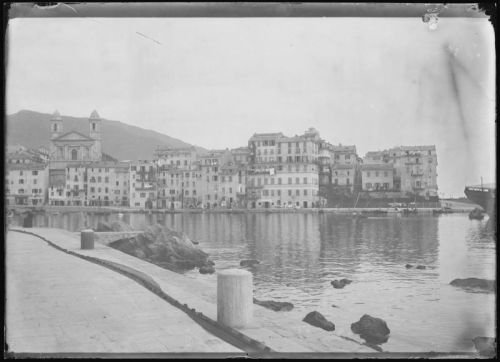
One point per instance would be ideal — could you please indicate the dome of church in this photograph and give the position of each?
(94, 115)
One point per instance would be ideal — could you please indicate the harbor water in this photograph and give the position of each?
(301, 253)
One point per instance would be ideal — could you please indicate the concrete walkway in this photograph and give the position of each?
(60, 303)
(281, 331)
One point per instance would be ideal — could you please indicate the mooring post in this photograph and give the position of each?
(87, 239)
(234, 298)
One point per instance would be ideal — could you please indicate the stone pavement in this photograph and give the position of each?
(281, 331)
(57, 302)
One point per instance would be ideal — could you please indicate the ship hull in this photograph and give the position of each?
(484, 197)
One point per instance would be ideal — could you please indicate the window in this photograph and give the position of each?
(289, 192)
(99, 179)
(93, 126)
(92, 189)
(289, 180)
(368, 174)
(279, 181)
(297, 192)
(74, 154)
(279, 193)
(368, 185)
(99, 189)
(21, 181)
(385, 173)
(34, 173)
(336, 182)
(305, 192)
(142, 194)
(297, 180)
(305, 180)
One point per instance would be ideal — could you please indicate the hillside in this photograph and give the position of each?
(120, 140)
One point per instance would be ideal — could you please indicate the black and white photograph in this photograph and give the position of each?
(250, 180)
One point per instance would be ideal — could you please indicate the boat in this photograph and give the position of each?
(484, 195)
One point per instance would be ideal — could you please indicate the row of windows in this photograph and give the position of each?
(34, 173)
(377, 186)
(290, 192)
(270, 181)
(33, 191)
(368, 174)
(21, 181)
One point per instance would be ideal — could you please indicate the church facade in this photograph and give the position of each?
(73, 146)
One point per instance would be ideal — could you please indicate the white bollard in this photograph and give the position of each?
(234, 297)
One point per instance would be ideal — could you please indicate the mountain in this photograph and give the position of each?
(120, 140)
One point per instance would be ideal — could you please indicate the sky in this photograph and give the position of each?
(214, 82)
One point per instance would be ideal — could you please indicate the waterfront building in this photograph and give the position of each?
(108, 184)
(233, 185)
(377, 177)
(345, 155)
(241, 155)
(415, 169)
(182, 158)
(26, 183)
(143, 184)
(344, 176)
(70, 147)
(209, 165)
(283, 171)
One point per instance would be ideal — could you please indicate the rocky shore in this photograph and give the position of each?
(162, 246)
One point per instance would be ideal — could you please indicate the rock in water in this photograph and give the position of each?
(166, 247)
(372, 330)
(339, 284)
(409, 266)
(486, 346)
(316, 319)
(475, 283)
(249, 262)
(421, 266)
(113, 226)
(207, 269)
(276, 306)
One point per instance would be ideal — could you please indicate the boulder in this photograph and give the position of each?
(207, 269)
(117, 225)
(408, 266)
(475, 283)
(276, 306)
(165, 247)
(372, 330)
(486, 346)
(421, 266)
(318, 320)
(249, 262)
(335, 306)
(339, 284)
